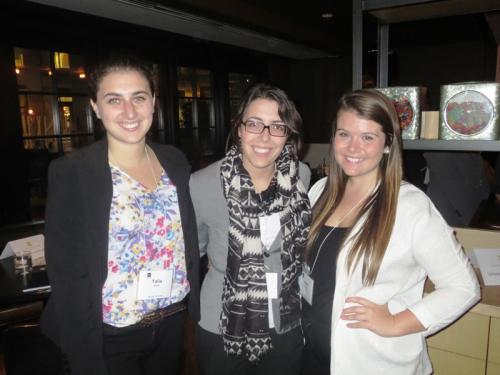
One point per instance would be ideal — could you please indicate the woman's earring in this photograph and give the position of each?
(386, 150)
(96, 110)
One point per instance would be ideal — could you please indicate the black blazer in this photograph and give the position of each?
(76, 248)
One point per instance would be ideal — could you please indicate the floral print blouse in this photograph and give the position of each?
(145, 234)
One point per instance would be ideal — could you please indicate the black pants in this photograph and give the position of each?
(153, 350)
(284, 359)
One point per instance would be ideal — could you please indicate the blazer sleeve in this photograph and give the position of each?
(196, 188)
(178, 169)
(72, 300)
(436, 249)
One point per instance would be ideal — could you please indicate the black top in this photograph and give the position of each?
(317, 318)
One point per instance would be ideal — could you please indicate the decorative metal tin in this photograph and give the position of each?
(470, 111)
(407, 103)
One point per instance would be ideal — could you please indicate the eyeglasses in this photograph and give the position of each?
(276, 129)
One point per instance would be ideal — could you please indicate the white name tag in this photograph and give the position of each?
(154, 284)
(306, 285)
(272, 285)
(269, 228)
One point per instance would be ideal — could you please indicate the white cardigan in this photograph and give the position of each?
(421, 245)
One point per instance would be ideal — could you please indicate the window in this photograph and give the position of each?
(55, 114)
(196, 114)
(61, 60)
(54, 110)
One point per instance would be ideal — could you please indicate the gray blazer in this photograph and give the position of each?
(212, 218)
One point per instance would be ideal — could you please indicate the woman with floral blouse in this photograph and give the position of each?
(121, 240)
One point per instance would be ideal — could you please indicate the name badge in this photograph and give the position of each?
(306, 285)
(154, 284)
(269, 228)
(272, 285)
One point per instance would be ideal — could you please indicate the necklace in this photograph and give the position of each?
(114, 161)
(151, 167)
(311, 269)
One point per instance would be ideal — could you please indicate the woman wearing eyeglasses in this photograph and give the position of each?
(253, 218)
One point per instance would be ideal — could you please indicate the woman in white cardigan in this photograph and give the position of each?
(373, 242)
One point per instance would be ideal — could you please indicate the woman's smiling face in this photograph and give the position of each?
(359, 146)
(260, 151)
(125, 105)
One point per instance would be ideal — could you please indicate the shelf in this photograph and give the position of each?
(395, 11)
(451, 145)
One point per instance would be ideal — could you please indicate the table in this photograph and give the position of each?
(12, 285)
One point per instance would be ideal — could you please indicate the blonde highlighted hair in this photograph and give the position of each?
(378, 212)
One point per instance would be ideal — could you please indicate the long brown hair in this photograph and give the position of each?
(371, 240)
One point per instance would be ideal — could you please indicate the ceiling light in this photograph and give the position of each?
(327, 15)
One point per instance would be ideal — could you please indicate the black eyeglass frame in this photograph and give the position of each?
(268, 127)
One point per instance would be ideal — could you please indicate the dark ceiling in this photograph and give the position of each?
(297, 21)
(252, 23)
(302, 22)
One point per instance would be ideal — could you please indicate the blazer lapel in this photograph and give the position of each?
(99, 187)
(167, 162)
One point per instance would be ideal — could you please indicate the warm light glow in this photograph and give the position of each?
(81, 75)
(18, 71)
(61, 60)
(49, 72)
(67, 115)
(31, 112)
(19, 60)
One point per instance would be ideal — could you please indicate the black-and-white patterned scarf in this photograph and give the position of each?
(244, 318)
